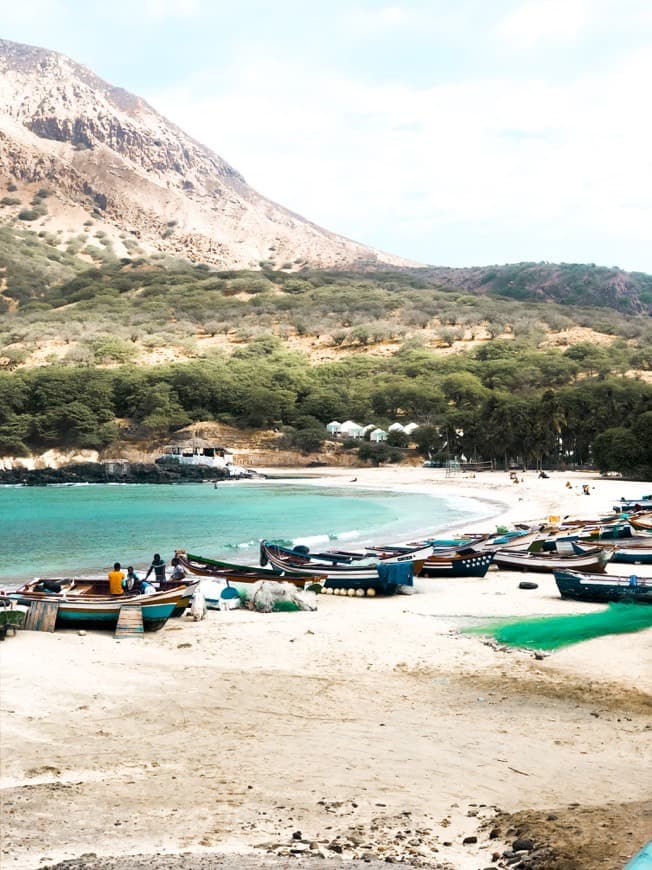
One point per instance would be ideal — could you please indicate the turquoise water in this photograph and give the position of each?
(67, 530)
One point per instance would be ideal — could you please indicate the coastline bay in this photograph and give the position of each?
(64, 530)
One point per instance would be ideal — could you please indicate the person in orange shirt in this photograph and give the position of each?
(116, 578)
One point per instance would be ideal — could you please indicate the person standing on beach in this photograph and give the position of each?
(116, 578)
(158, 567)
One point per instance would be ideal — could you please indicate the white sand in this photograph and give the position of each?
(242, 729)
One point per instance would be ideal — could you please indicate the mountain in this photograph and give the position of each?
(105, 159)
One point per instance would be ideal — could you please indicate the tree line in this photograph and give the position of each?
(504, 402)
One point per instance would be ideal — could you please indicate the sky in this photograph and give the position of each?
(450, 132)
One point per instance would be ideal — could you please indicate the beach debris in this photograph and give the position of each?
(269, 596)
(527, 584)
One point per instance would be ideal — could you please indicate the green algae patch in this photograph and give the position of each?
(553, 632)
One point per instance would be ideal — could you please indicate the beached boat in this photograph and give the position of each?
(582, 559)
(464, 562)
(79, 607)
(232, 572)
(380, 575)
(636, 550)
(642, 520)
(602, 587)
(99, 587)
(634, 504)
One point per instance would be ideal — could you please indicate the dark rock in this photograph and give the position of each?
(468, 840)
(494, 833)
(523, 843)
(297, 835)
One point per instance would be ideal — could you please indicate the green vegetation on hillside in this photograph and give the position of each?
(515, 404)
(508, 397)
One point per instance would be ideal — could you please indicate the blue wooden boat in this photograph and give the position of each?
(78, 607)
(376, 575)
(603, 587)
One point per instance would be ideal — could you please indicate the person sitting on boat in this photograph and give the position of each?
(132, 581)
(158, 567)
(177, 570)
(116, 578)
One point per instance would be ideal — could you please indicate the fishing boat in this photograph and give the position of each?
(603, 588)
(380, 575)
(80, 607)
(231, 572)
(634, 504)
(582, 559)
(464, 562)
(636, 550)
(642, 521)
(99, 587)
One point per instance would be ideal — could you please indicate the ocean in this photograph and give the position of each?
(67, 530)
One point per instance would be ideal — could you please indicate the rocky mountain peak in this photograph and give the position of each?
(108, 155)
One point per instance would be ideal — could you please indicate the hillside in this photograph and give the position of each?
(566, 283)
(103, 156)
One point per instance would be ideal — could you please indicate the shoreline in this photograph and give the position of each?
(373, 728)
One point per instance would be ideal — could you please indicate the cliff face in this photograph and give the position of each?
(112, 157)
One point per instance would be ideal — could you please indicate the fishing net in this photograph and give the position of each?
(269, 596)
(552, 632)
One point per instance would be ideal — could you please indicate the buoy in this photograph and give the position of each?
(328, 590)
(359, 593)
(371, 593)
(350, 592)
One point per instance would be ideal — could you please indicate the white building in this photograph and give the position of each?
(350, 429)
(378, 435)
(334, 428)
(197, 452)
(409, 429)
(396, 427)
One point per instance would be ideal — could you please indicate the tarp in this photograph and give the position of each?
(396, 573)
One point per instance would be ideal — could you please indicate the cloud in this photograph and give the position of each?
(28, 11)
(543, 20)
(171, 8)
(395, 162)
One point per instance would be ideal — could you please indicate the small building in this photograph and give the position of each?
(378, 435)
(350, 429)
(334, 428)
(409, 429)
(396, 427)
(197, 452)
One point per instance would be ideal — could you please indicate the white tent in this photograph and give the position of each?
(396, 427)
(351, 429)
(409, 429)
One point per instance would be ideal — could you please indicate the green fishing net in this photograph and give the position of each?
(552, 632)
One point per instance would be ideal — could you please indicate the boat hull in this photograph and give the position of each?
(510, 560)
(601, 588)
(86, 610)
(474, 564)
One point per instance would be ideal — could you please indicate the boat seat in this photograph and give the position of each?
(80, 589)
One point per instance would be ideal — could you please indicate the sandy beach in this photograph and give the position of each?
(371, 730)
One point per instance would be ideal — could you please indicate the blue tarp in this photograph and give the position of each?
(396, 573)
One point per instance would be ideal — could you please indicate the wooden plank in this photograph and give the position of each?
(42, 616)
(130, 621)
